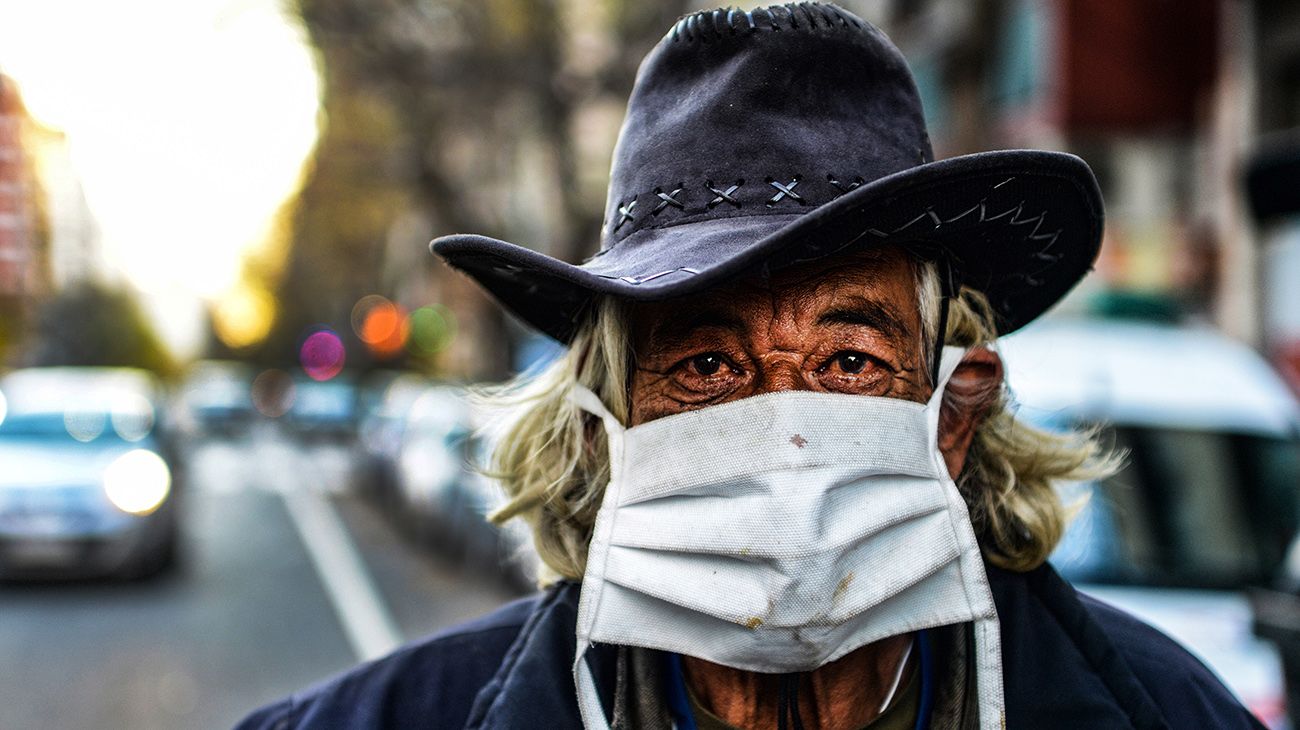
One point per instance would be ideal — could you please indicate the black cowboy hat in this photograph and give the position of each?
(785, 134)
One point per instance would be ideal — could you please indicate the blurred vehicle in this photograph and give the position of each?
(385, 399)
(443, 497)
(88, 485)
(432, 464)
(216, 400)
(1276, 613)
(1206, 502)
(510, 547)
(323, 410)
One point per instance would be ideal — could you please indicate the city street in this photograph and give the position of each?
(792, 335)
(286, 577)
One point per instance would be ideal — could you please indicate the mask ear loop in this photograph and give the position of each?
(589, 704)
(947, 290)
(992, 703)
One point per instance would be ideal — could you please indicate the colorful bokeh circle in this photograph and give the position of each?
(322, 355)
(432, 329)
(273, 393)
(381, 325)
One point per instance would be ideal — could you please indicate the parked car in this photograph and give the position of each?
(88, 484)
(215, 400)
(432, 464)
(385, 401)
(323, 410)
(443, 496)
(508, 547)
(1206, 503)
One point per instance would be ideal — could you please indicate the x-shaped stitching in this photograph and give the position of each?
(625, 213)
(667, 199)
(723, 194)
(784, 191)
(841, 186)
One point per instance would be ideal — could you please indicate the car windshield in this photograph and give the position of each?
(70, 413)
(323, 399)
(84, 426)
(1189, 508)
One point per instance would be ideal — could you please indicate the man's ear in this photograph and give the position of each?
(973, 388)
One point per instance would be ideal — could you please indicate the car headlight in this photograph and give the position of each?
(137, 482)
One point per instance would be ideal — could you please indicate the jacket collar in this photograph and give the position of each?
(536, 677)
(1043, 623)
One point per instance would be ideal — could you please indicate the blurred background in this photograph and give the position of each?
(234, 437)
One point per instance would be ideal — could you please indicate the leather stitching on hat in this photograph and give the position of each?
(1013, 212)
(728, 194)
(723, 195)
(1005, 304)
(843, 187)
(785, 191)
(1012, 216)
(667, 199)
(790, 17)
(705, 25)
(649, 277)
(778, 211)
(625, 213)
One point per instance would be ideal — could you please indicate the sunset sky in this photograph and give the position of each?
(189, 124)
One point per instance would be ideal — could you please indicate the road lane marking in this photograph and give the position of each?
(368, 625)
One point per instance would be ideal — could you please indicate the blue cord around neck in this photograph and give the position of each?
(679, 704)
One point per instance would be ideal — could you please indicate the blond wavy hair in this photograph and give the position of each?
(551, 457)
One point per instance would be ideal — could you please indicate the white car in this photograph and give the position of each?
(1207, 501)
(442, 450)
(87, 485)
(432, 460)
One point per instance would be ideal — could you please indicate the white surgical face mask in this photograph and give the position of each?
(780, 532)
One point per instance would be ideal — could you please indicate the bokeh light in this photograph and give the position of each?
(273, 392)
(322, 355)
(432, 329)
(243, 316)
(382, 325)
(363, 308)
(137, 482)
(85, 426)
(132, 417)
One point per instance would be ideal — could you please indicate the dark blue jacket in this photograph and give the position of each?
(1069, 662)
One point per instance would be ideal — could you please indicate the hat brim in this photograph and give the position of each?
(1022, 226)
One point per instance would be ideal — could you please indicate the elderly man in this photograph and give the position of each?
(775, 480)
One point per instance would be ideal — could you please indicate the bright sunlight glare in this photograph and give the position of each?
(189, 123)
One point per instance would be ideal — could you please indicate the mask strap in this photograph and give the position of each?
(946, 362)
(583, 398)
(593, 715)
(947, 290)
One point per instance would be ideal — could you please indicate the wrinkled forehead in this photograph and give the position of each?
(878, 286)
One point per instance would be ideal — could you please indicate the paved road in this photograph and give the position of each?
(259, 607)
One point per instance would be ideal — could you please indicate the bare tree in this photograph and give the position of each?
(466, 113)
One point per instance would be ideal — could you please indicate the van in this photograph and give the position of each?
(1208, 498)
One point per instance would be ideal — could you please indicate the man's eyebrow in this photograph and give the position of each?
(877, 315)
(682, 323)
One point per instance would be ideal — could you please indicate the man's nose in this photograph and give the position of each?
(781, 372)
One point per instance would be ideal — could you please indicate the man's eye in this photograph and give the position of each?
(851, 362)
(707, 364)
